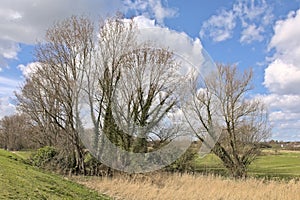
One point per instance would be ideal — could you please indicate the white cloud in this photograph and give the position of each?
(284, 103)
(252, 10)
(28, 69)
(26, 21)
(6, 107)
(251, 33)
(7, 88)
(284, 115)
(189, 51)
(253, 15)
(286, 40)
(161, 12)
(153, 8)
(8, 50)
(219, 27)
(282, 77)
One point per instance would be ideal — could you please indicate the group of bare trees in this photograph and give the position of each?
(90, 77)
(15, 131)
(91, 82)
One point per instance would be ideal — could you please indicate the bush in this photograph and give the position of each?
(43, 156)
(185, 163)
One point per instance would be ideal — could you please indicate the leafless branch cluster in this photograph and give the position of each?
(231, 124)
(96, 82)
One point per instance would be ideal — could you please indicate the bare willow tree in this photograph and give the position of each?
(148, 91)
(115, 38)
(223, 108)
(54, 89)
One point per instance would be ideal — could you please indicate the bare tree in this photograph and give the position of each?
(148, 91)
(115, 38)
(31, 102)
(15, 132)
(223, 108)
(130, 84)
(54, 89)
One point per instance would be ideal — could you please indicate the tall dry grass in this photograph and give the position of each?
(185, 187)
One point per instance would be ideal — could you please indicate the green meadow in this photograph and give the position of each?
(274, 164)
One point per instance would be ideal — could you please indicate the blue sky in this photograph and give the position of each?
(262, 34)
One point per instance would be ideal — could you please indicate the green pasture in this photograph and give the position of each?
(270, 164)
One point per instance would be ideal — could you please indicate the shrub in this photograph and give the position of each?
(43, 156)
(185, 163)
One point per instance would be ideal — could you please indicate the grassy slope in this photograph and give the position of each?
(21, 181)
(269, 164)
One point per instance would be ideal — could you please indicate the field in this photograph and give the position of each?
(270, 164)
(19, 180)
(273, 175)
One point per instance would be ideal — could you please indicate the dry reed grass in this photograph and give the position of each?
(185, 187)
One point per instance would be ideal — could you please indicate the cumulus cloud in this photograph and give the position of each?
(286, 103)
(253, 16)
(161, 12)
(149, 8)
(282, 76)
(28, 69)
(219, 27)
(6, 107)
(26, 21)
(8, 50)
(189, 51)
(7, 102)
(286, 40)
(251, 33)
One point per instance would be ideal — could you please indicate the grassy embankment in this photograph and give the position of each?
(19, 180)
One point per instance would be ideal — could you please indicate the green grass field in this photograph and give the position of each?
(270, 164)
(281, 164)
(19, 180)
(22, 181)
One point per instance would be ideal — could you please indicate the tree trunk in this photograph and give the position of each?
(238, 171)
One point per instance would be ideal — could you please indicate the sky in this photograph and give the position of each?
(261, 34)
